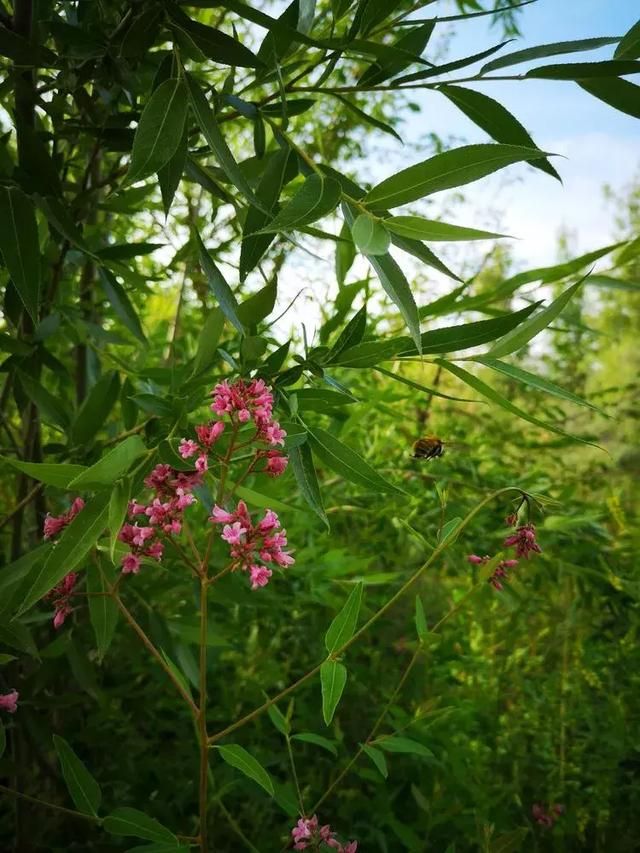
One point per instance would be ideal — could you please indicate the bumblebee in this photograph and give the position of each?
(429, 447)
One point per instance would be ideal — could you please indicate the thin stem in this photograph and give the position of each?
(202, 713)
(23, 503)
(154, 652)
(363, 630)
(20, 796)
(295, 776)
(235, 827)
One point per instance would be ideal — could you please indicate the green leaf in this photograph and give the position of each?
(208, 341)
(74, 545)
(413, 42)
(521, 335)
(449, 529)
(118, 505)
(103, 611)
(428, 229)
(619, 94)
(585, 70)
(344, 624)
(238, 757)
(554, 273)
(121, 304)
(20, 246)
(629, 46)
(321, 399)
(450, 169)
(544, 50)
(306, 477)
(115, 463)
(219, 286)
(258, 499)
(421, 621)
(425, 389)
(280, 168)
(51, 473)
(454, 65)
(128, 821)
(346, 462)
(404, 745)
(316, 740)
(317, 197)
(18, 636)
(491, 394)
(534, 381)
(377, 758)
(365, 117)
(420, 251)
(370, 235)
(351, 335)
(62, 221)
(278, 719)
(170, 175)
(52, 410)
(95, 409)
(259, 305)
(160, 130)
(213, 43)
(212, 133)
(495, 120)
(333, 678)
(85, 791)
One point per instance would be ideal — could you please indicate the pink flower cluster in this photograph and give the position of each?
(308, 834)
(546, 817)
(523, 539)
(61, 596)
(9, 701)
(172, 495)
(249, 543)
(243, 402)
(207, 434)
(54, 524)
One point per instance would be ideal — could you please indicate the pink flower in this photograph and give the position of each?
(60, 615)
(131, 564)
(202, 464)
(158, 477)
(231, 533)
(478, 561)
(304, 829)
(259, 576)
(208, 434)
(55, 524)
(155, 551)
(351, 847)
(220, 516)
(187, 448)
(273, 433)
(246, 401)
(524, 541)
(9, 701)
(183, 500)
(269, 521)
(61, 596)
(141, 535)
(136, 509)
(276, 463)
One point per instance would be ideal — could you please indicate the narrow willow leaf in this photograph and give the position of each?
(453, 168)
(258, 306)
(280, 168)
(305, 473)
(425, 389)
(121, 304)
(85, 791)
(533, 381)
(491, 394)
(448, 530)
(208, 340)
(51, 473)
(62, 221)
(365, 117)
(629, 46)
(619, 94)
(495, 120)
(522, 334)
(421, 621)
(52, 410)
(404, 745)
(20, 246)
(543, 50)
(554, 273)
(160, 130)
(170, 174)
(213, 43)
(333, 678)
(346, 462)
(351, 335)
(13, 576)
(118, 504)
(370, 353)
(112, 465)
(454, 65)
(219, 286)
(238, 757)
(212, 133)
(393, 282)
(128, 821)
(370, 235)
(413, 42)
(344, 624)
(95, 408)
(585, 70)
(75, 543)
(377, 757)
(278, 719)
(317, 197)
(103, 610)
(428, 229)
(18, 636)
(321, 399)
(257, 498)
(423, 253)
(345, 254)
(316, 740)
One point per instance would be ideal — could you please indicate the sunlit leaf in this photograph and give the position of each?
(238, 757)
(333, 678)
(85, 791)
(20, 247)
(344, 624)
